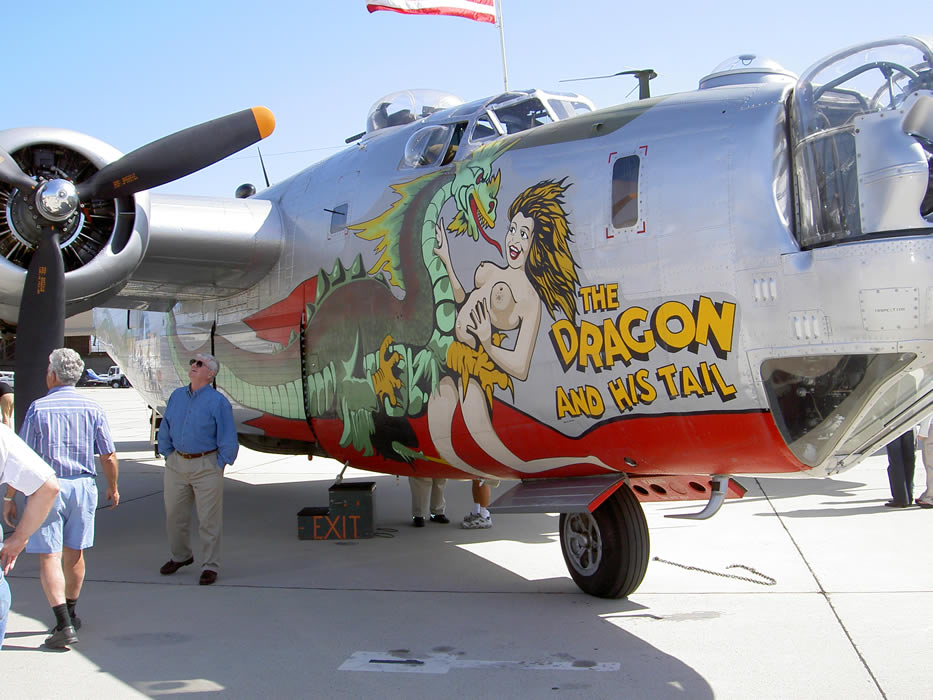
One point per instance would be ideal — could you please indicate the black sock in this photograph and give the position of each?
(71, 603)
(62, 618)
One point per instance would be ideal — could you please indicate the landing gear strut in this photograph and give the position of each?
(606, 551)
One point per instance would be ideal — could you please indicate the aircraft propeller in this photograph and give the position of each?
(52, 207)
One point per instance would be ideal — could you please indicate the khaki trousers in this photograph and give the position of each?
(927, 452)
(199, 480)
(424, 491)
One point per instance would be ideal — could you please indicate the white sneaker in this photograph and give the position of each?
(475, 521)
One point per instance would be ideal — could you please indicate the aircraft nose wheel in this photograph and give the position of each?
(584, 545)
(606, 551)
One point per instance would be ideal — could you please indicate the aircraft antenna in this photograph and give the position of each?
(643, 75)
(262, 163)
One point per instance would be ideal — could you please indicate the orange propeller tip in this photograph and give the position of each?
(265, 121)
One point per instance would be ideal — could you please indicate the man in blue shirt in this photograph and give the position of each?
(198, 439)
(66, 430)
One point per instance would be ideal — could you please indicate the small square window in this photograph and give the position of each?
(625, 192)
(338, 218)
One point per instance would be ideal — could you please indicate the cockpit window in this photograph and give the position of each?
(860, 167)
(564, 109)
(522, 116)
(406, 106)
(427, 145)
(484, 129)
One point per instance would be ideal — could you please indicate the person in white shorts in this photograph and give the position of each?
(25, 471)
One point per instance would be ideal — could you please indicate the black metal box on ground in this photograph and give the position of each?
(356, 502)
(349, 516)
(312, 523)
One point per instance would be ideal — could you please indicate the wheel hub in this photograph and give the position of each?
(584, 543)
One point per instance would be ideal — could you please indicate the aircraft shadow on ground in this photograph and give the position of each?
(125, 596)
(804, 486)
(835, 510)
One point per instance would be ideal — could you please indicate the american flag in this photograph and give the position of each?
(479, 10)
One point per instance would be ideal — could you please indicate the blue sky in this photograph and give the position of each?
(129, 73)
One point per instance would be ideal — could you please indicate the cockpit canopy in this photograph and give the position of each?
(445, 135)
(406, 106)
(744, 69)
(862, 129)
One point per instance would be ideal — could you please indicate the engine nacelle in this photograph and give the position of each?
(101, 246)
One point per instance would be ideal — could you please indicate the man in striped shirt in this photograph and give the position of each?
(67, 429)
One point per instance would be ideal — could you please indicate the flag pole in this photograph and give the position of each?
(505, 70)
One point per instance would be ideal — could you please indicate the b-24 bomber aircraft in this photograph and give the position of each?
(607, 306)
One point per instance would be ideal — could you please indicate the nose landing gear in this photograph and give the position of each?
(607, 551)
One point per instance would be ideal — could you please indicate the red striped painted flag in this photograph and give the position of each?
(479, 10)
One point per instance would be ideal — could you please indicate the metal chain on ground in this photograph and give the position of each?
(767, 582)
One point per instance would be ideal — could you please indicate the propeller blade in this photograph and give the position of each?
(178, 155)
(41, 325)
(12, 174)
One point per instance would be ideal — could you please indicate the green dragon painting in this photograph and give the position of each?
(375, 340)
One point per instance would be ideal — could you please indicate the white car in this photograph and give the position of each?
(9, 378)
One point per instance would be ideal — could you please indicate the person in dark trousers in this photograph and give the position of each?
(901, 462)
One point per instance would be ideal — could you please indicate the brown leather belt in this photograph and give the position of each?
(195, 455)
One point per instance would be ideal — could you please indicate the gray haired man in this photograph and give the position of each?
(198, 438)
(66, 430)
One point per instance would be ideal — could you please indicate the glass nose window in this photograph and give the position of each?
(859, 171)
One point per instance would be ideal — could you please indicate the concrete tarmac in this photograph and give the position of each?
(804, 588)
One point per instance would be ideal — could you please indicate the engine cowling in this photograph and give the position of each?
(102, 243)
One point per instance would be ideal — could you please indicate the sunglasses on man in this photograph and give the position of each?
(193, 363)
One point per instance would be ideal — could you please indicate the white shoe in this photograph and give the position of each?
(475, 521)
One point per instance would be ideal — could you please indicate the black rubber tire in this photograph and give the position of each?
(115, 384)
(607, 551)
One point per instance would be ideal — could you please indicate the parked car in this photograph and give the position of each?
(9, 378)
